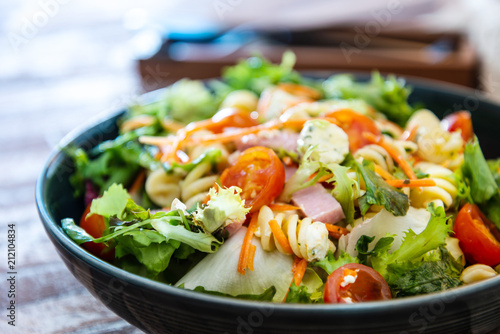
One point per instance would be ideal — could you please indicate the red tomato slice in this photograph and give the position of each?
(479, 238)
(355, 124)
(224, 118)
(460, 120)
(354, 283)
(259, 173)
(95, 226)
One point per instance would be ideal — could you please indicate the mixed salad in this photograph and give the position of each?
(268, 185)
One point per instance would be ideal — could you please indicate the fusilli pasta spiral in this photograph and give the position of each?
(444, 193)
(196, 184)
(162, 188)
(435, 144)
(308, 239)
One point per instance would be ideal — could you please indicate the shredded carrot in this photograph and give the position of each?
(245, 253)
(412, 183)
(300, 90)
(298, 269)
(137, 122)
(138, 182)
(326, 177)
(280, 236)
(336, 231)
(283, 207)
(400, 160)
(287, 161)
(296, 261)
(409, 134)
(251, 256)
(382, 172)
(225, 137)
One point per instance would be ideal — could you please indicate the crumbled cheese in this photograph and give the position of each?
(330, 143)
(348, 279)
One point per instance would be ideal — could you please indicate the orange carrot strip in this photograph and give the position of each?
(138, 182)
(137, 122)
(283, 207)
(382, 172)
(245, 247)
(400, 160)
(300, 270)
(325, 177)
(300, 90)
(280, 236)
(251, 256)
(412, 183)
(336, 231)
(409, 134)
(226, 137)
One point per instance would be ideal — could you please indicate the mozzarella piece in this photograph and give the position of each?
(316, 243)
(330, 142)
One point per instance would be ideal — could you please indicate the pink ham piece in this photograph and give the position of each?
(274, 139)
(289, 171)
(318, 204)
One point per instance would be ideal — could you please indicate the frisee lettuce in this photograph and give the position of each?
(413, 245)
(225, 207)
(330, 263)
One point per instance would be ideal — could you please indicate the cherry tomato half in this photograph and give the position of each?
(355, 124)
(259, 173)
(479, 238)
(95, 226)
(460, 120)
(354, 283)
(224, 118)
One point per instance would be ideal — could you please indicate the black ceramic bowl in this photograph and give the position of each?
(158, 308)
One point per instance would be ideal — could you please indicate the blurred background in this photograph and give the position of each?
(63, 62)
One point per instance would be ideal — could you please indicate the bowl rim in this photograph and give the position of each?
(54, 230)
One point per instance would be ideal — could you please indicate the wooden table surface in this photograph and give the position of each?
(59, 66)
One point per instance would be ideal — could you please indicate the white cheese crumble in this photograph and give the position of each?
(330, 142)
(348, 279)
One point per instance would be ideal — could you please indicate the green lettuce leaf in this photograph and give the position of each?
(476, 170)
(413, 245)
(330, 263)
(150, 250)
(387, 95)
(343, 190)
(256, 73)
(75, 232)
(112, 203)
(198, 240)
(424, 276)
(211, 155)
(379, 192)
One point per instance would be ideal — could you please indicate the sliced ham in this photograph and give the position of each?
(318, 204)
(289, 171)
(274, 139)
